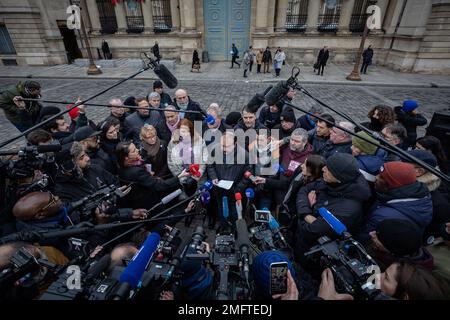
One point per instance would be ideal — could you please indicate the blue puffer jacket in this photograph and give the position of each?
(369, 166)
(412, 202)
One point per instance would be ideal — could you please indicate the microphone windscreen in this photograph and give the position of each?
(334, 222)
(205, 197)
(267, 90)
(256, 102)
(49, 148)
(208, 185)
(238, 196)
(250, 193)
(134, 271)
(210, 120)
(242, 233)
(225, 207)
(171, 196)
(99, 266)
(166, 76)
(276, 93)
(273, 223)
(247, 174)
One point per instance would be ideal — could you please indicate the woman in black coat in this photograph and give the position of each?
(109, 138)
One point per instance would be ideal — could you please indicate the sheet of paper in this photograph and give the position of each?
(225, 184)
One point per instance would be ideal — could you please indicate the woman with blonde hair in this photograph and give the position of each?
(154, 152)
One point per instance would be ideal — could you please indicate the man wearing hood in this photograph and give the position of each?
(342, 191)
(399, 196)
(440, 193)
(22, 114)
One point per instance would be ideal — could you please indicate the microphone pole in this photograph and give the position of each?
(40, 124)
(391, 148)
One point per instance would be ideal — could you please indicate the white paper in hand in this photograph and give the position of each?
(225, 184)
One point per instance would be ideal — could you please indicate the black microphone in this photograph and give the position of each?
(258, 99)
(33, 149)
(280, 90)
(97, 267)
(162, 72)
(243, 243)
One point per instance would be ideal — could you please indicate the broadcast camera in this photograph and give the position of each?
(354, 270)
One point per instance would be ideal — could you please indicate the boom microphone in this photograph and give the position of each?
(277, 93)
(132, 274)
(258, 99)
(162, 72)
(334, 222)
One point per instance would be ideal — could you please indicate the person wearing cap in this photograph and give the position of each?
(408, 116)
(308, 122)
(90, 139)
(269, 116)
(397, 239)
(369, 160)
(158, 87)
(22, 114)
(440, 193)
(340, 141)
(342, 191)
(288, 123)
(399, 196)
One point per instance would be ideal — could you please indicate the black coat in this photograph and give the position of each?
(166, 100)
(368, 55)
(100, 158)
(316, 141)
(344, 201)
(267, 56)
(303, 122)
(147, 190)
(135, 122)
(410, 122)
(163, 131)
(192, 106)
(158, 161)
(330, 148)
(269, 119)
(323, 57)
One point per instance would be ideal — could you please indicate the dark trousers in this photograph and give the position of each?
(258, 68)
(364, 67)
(233, 61)
(277, 72)
(251, 66)
(318, 70)
(266, 67)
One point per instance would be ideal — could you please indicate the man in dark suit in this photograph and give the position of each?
(322, 60)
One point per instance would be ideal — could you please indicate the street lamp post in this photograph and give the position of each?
(92, 69)
(355, 76)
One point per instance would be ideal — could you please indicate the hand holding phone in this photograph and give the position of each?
(278, 278)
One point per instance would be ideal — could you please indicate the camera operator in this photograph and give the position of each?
(22, 114)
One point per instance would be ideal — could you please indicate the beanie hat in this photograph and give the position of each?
(261, 270)
(47, 111)
(233, 118)
(130, 101)
(399, 236)
(363, 145)
(157, 84)
(425, 156)
(343, 166)
(74, 112)
(398, 174)
(409, 105)
(288, 115)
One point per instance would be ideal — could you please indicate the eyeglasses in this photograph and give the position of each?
(51, 202)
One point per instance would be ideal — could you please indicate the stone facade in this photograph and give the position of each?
(415, 34)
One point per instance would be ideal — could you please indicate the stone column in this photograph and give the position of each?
(121, 18)
(188, 19)
(383, 7)
(175, 12)
(261, 16)
(147, 12)
(313, 16)
(271, 17)
(345, 16)
(94, 17)
(281, 15)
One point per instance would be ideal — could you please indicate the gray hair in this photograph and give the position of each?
(153, 95)
(346, 125)
(316, 109)
(76, 150)
(214, 107)
(300, 132)
(115, 102)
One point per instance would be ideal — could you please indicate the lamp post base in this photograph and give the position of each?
(93, 69)
(354, 76)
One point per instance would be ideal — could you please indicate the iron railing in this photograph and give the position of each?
(162, 16)
(107, 15)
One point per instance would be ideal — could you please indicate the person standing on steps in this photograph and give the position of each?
(322, 59)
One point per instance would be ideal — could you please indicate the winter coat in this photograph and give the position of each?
(109, 147)
(292, 160)
(316, 141)
(344, 201)
(410, 122)
(223, 127)
(305, 122)
(192, 106)
(284, 133)
(412, 202)
(166, 100)
(267, 56)
(367, 55)
(146, 190)
(330, 148)
(158, 161)
(369, 166)
(259, 57)
(241, 125)
(100, 158)
(135, 122)
(280, 56)
(269, 119)
(323, 56)
(235, 52)
(23, 119)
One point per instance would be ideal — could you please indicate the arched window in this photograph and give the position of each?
(133, 12)
(296, 15)
(162, 16)
(107, 16)
(329, 13)
(359, 15)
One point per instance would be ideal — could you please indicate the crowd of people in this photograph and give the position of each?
(397, 209)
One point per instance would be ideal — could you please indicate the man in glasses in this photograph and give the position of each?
(89, 138)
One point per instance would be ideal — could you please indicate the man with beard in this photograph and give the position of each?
(183, 102)
(138, 119)
(22, 114)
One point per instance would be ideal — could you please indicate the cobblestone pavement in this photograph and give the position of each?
(354, 100)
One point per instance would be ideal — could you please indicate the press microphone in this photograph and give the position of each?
(207, 186)
(194, 170)
(250, 176)
(225, 207)
(97, 267)
(238, 198)
(275, 227)
(210, 120)
(334, 222)
(171, 196)
(32, 149)
(280, 90)
(250, 194)
(163, 73)
(130, 277)
(258, 99)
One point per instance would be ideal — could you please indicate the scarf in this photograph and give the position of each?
(174, 127)
(152, 150)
